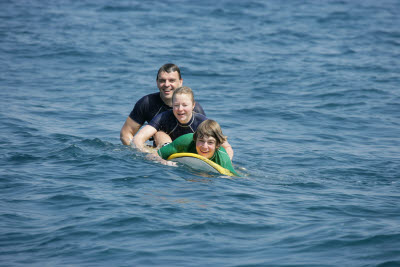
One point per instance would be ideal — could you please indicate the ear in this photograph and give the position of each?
(217, 146)
(194, 104)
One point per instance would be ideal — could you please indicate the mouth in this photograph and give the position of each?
(168, 91)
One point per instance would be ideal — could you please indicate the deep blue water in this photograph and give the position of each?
(307, 92)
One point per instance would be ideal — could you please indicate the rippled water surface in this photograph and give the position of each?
(307, 92)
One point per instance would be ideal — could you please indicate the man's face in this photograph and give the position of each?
(167, 83)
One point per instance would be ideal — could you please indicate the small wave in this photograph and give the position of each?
(385, 34)
(64, 137)
(22, 158)
(12, 217)
(227, 227)
(73, 150)
(68, 53)
(68, 198)
(96, 142)
(389, 263)
(337, 16)
(123, 8)
(120, 222)
(330, 106)
(243, 196)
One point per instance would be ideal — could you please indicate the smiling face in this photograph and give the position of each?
(205, 146)
(167, 83)
(183, 106)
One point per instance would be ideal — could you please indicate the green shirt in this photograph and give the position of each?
(186, 144)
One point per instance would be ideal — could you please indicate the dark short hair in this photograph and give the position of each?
(168, 68)
(210, 128)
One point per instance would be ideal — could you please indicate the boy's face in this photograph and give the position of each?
(205, 146)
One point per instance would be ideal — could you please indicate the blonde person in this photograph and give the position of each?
(176, 122)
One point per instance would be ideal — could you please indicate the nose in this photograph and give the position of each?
(203, 144)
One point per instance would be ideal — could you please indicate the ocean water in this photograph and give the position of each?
(307, 92)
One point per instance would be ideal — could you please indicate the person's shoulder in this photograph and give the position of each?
(149, 102)
(164, 118)
(199, 105)
(154, 95)
(185, 139)
(224, 160)
(199, 109)
(223, 154)
(200, 116)
(166, 114)
(222, 150)
(150, 98)
(186, 136)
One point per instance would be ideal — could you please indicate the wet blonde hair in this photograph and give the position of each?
(184, 90)
(210, 128)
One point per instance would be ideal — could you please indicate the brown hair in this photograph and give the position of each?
(168, 68)
(184, 90)
(210, 128)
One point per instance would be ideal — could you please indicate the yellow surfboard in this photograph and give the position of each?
(199, 162)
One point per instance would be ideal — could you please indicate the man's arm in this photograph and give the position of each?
(228, 149)
(129, 129)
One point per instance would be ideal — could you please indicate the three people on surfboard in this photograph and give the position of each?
(176, 122)
(168, 79)
(171, 113)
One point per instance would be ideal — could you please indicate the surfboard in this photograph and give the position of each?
(198, 162)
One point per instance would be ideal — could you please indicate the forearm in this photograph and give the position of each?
(126, 138)
(128, 130)
(138, 141)
(156, 157)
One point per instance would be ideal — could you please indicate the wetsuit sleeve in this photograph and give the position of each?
(157, 121)
(138, 113)
(179, 145)
(199, 109)
(224, 161)
(167, 150)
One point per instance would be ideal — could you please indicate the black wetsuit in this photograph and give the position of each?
(168, 123)
(150, 106)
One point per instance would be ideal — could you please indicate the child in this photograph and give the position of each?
(206, 141)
